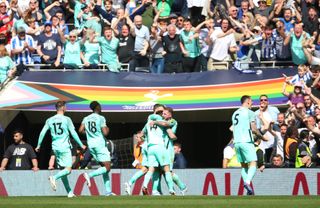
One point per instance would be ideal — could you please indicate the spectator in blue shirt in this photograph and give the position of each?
(180, 161)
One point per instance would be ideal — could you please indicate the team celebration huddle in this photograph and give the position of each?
(156, 141)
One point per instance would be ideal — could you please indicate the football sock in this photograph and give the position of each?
(61, 173)
(244, 173)
(147, 178)
(178, 181)
(106, 180)
(135, 177)
(66, 184)
(251, 173)
(97, 172)
(155, 181)
(169, 181)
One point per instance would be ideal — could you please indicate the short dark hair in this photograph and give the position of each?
(54, 16)
(286, 125)
(157, 106)
(107, 28)
(17, 131)
(177, 144)
(277, 155)
(94, 105)
(287, 8)
(303, 134)
(244, 98)
(263, 95)
(187, 20)
(60, 104)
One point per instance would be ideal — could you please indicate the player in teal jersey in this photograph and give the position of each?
(173, 125)
(156, 152)
(60, 126)
(243, 122)
(158, 108)
(94, 125)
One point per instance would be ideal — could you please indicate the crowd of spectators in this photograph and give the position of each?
(156, 35)
(292, 135)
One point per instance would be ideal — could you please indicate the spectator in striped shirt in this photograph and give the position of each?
(268, 45)
(22, 47)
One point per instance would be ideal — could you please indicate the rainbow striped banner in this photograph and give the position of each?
(26, 95)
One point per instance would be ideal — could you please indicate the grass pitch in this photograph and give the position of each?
(163, 202)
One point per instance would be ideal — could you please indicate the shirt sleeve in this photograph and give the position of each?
(103, 122)
(31, 153)
(8, 152)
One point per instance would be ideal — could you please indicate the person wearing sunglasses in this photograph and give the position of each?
(270, 114)
(72, 51)
(49, 46)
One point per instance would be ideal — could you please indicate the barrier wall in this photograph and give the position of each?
(199, 182)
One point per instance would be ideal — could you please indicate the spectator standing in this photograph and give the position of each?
(20, 155)
(90, 51)
(269, 114)
(268, 45)
(303, 145)
(223, 42)
(263, 8)
(109, 46)
(290, 146)
(22, 47)
(283, 52)
(179, 24)
(295, 39)
(173, 57)
(157, 51)
(7, 68)
(189, 43)
(6, 19)
(309, 105)
(142, 35)
(180, 161)
(243, 9)
(310, 21)
(205, 46)
(72, 51)
(35, 12)
(49, 46)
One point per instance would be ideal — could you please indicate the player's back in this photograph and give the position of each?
(93, 125)
(241, 120)
(59, 128)
(155, 134)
